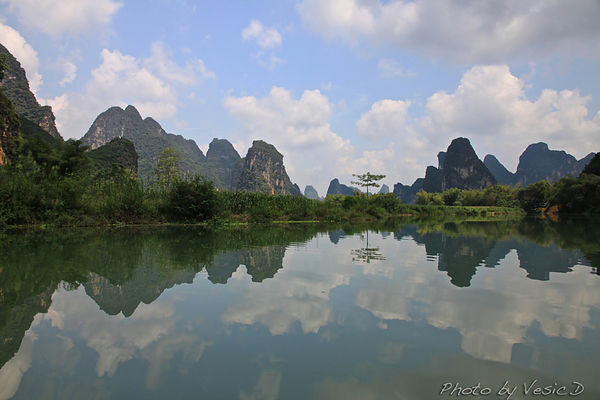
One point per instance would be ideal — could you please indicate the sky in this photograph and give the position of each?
(340, 87)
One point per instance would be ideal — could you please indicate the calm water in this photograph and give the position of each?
(397, 311)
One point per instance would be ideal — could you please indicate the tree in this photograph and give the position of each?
(167, 167)
(367, 180)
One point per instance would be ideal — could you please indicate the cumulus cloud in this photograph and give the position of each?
(56, 17)
(70, 71)
(161, 61)
(24, 53)
(466, 31)
(265, 37)
(386, 118)
(150, 84)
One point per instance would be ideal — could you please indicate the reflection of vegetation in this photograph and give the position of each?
(119, 268)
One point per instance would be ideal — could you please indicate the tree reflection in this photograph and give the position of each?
(366, 254)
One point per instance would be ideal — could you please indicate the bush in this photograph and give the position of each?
(192, 200)
(535, 196)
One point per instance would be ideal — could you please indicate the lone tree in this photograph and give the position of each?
(367, 180)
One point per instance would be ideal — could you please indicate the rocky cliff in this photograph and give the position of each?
(335, 187)
(539, 163)
(9, 128)
(223, 164)
(458, 167)
(16, 87)
(148, 137)
(263, 171)
(463, 169)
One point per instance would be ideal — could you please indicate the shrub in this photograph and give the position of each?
(192, 200)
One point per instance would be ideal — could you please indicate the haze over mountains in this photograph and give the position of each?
(262, 169)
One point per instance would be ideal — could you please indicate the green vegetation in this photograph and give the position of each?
(118, 152)
(567, 196)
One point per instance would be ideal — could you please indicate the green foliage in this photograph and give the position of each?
(118, 151)
(73, 158)
(192, 200)
(450, 197)
(593, 168)
(167, 168)
(577, 195)
(432, 199)
(535, 196)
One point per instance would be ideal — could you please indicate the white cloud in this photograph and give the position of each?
(265, 37)
(300, 130)
(386, 118)
(465, 31)
(70, 70)
(24, 53)
(150, 84)
(56, 17)
(12, 372)
(392, 69)
(161, 61)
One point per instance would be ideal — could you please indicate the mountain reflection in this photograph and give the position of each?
(460, 248)
(122, 268)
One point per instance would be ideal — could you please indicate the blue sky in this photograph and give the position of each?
(338, 86)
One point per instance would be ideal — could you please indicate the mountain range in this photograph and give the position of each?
(460, 167)
(262, 168)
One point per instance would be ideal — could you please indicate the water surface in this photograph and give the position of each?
(394, 311)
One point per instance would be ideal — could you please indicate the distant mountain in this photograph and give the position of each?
(223, 164)
(538, 163)
(335, 187)
(118, 151)
(148, 137)
(502, 175)
(310, 192)
(384, 189)
(16, 87)
(406, 193)
(458, 167)
(263, 171)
